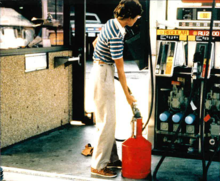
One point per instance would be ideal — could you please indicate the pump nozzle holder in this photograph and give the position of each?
(177, 117)
(190, 119)
(164, 116)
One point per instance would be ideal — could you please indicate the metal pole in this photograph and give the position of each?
(78, 96)
(56, 19)
(166, 15)
(44, 16)
(66, 25)
(201, 116)
(203, 93)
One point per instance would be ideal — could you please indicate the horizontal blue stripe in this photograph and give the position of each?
(102, 44)
(104, 54)
(116, 53)
(116, 44)
(119, 48)
(102, 58)
(117, 57)
(115, 40)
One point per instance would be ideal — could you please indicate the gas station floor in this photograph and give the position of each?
(56, 156)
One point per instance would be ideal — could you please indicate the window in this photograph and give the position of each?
(55, 9)
(31, 24)
(89, 17)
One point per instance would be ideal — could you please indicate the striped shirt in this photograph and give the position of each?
(110, 44)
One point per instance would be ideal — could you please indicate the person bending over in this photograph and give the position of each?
(108, 53)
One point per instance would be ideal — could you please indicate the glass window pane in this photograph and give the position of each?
(90, 17)
(55, 11)
(31, 24)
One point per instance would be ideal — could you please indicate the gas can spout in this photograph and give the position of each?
(136, 127)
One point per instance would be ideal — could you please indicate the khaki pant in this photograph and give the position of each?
(104, 99)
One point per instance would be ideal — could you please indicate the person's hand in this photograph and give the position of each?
(131, 99)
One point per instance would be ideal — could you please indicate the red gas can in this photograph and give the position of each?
(136, 155)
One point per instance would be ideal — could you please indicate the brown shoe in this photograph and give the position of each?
(105, 172)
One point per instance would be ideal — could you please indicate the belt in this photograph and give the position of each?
(101, 62)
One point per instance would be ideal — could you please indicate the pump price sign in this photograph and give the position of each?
(172, 34)
(203, 35)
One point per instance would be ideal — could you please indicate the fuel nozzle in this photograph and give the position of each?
(136, 111)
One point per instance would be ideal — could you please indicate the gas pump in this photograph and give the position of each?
(187, 95)
(181, 63)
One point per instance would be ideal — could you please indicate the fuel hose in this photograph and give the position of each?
(152, 85)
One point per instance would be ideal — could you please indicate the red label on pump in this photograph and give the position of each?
(204, 33)
(175, 82)
(207, 118)
(204, 69)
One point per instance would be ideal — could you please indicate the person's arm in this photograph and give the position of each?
(95, 42)
(122, 78)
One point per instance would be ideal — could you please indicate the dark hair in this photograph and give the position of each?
(128, 8)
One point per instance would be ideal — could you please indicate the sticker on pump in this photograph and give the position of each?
(204, 68)
(169, 66)
(193, 106)
(204, 15)
(207, 118)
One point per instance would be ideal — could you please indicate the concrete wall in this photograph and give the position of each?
(35, 102)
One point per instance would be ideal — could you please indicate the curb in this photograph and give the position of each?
(46, 174)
